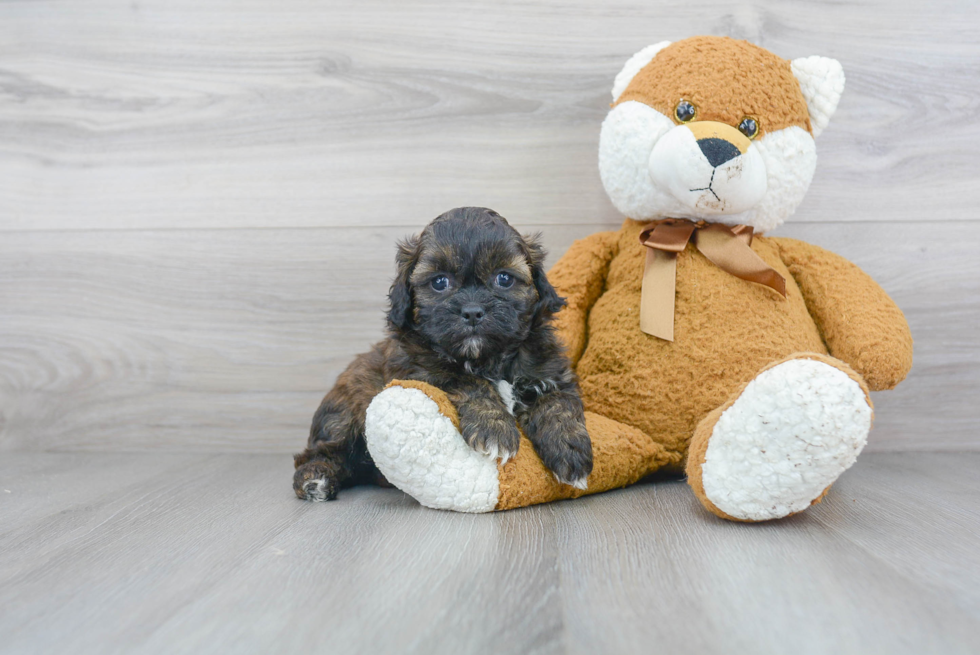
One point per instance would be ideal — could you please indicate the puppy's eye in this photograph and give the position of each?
(749, 127)
(504, 280)
(440, 283)
(685, 112)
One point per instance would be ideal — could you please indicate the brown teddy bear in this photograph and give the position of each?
(700, 345)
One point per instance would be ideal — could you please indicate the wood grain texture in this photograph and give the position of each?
(225, 340)
(177, 553)
(153, 114)
(198, 203)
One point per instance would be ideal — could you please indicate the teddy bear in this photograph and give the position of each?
(702, 346)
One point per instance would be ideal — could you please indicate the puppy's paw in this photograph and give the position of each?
(492, 433)
(314, 481)
(565, 448)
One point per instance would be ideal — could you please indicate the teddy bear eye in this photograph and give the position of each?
(749, 127)
(685, 112)
(440, 283)
(504, 280)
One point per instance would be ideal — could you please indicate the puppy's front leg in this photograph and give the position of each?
(486, 424)
(555, 423)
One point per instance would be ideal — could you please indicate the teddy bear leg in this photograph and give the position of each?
(778, 444)
(621, 455)
(412, 433)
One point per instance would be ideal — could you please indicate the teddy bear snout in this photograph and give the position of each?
(712, 168)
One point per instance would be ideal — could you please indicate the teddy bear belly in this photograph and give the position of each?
(725, 331)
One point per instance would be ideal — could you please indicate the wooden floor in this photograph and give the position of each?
(143, 553)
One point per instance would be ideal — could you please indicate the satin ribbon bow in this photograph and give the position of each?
(726, 247)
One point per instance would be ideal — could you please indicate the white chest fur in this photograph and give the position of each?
(506, 391)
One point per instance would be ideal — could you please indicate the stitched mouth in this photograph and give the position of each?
(710, 182)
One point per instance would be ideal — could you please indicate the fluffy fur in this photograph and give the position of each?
(470, 313)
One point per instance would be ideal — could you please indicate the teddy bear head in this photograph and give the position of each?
(714, 129)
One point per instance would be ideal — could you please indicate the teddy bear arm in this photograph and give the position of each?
(579, 277)
(858, 321)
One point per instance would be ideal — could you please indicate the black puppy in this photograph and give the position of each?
(470, 313)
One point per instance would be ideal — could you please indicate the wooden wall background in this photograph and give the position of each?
(199, 200)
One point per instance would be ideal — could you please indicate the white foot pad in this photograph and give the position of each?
(788, 436)
(421, 452)
(316, 490)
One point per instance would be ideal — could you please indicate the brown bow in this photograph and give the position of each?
(726, 247)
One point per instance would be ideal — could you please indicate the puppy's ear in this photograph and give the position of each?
(400, 294)
(549, 301)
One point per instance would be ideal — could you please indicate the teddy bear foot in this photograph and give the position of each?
(414, 441)
(778, 445)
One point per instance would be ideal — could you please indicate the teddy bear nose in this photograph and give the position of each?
(718, 151)
(472, 314)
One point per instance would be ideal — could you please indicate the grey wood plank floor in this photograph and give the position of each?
(164, 553)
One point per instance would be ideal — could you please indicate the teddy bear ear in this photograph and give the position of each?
(822, 82)
(634, 66)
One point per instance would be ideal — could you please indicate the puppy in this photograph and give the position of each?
(470, 313)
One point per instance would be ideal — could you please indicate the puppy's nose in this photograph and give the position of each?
(473, 314)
